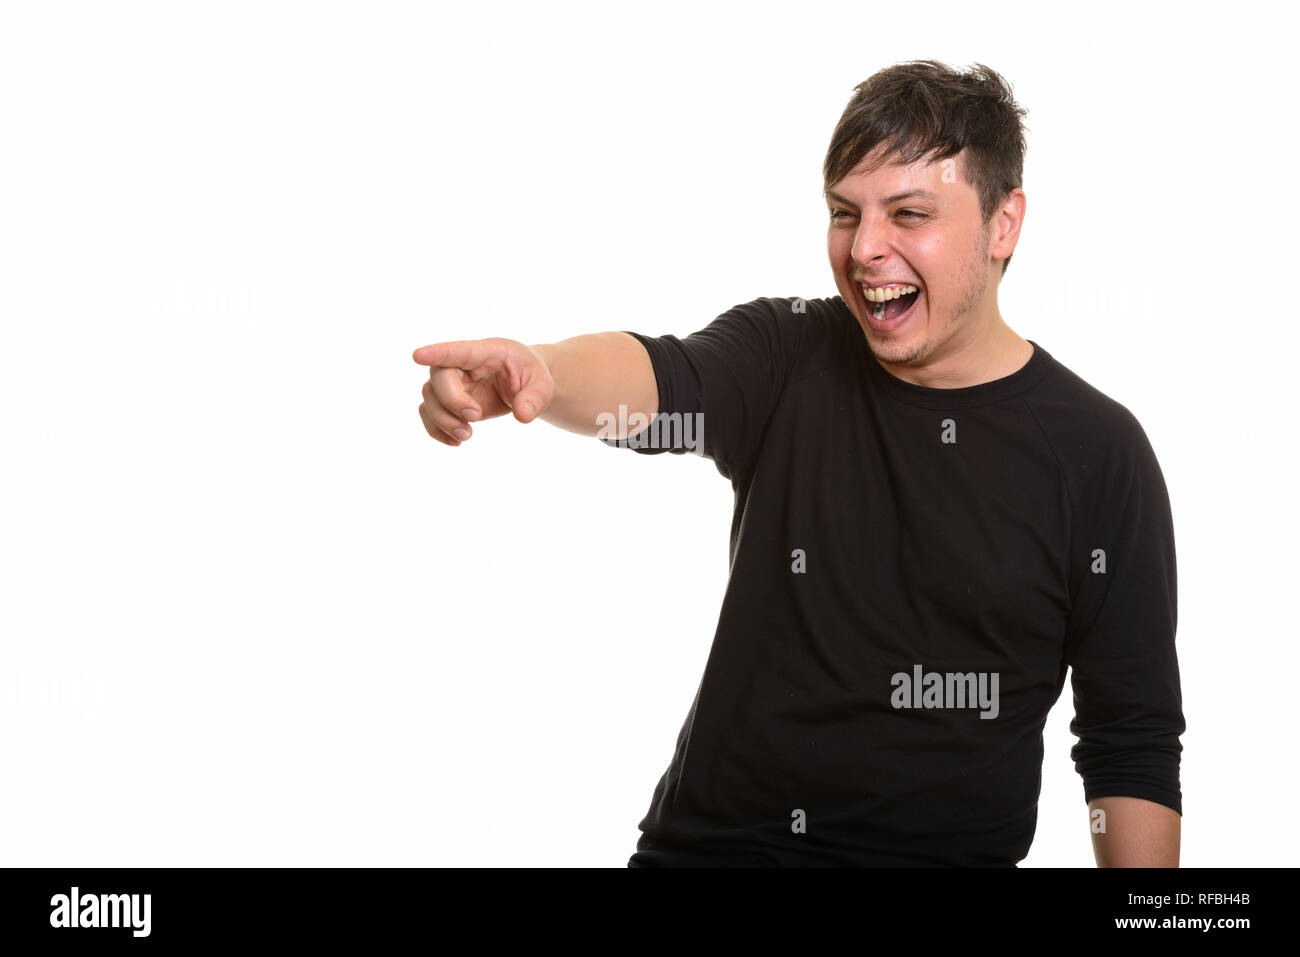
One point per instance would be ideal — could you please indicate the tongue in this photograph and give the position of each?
(896, 307)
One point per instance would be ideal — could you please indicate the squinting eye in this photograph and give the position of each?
(911, 212)
(836, 213)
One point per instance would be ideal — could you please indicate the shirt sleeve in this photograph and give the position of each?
(1120, 637)
(719, 386)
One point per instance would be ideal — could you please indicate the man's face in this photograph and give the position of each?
(916, 225)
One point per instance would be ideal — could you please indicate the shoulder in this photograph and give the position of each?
(801, 335)
(826, 330)
(794, 312)
(1099, 441)
(1081, 416)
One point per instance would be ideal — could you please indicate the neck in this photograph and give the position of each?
(992, 351)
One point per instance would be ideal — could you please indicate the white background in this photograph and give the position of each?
(253, 615)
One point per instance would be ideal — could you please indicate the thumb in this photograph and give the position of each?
(535, 387)
(528, 404)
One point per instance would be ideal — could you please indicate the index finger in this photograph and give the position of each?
(464, 354)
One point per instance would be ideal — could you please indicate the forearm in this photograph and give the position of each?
(594, 374)
(1134, 833)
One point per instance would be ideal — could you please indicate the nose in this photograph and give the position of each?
(870, 243)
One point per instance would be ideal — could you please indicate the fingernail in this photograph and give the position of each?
(470, 414)
(461, 434)
(528, 408)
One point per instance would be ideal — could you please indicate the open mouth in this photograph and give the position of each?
(890, 305)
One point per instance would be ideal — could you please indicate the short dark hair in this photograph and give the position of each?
(924, 108)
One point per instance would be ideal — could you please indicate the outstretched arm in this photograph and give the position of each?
(594, 374)
(570, 384)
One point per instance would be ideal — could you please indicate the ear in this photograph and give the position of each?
(1005, 226)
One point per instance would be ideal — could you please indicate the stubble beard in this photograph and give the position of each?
(975, 282)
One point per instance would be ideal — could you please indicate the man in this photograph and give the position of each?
(934, 520)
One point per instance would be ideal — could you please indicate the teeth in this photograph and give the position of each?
(885, 293)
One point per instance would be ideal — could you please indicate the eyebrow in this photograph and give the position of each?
(897, 197)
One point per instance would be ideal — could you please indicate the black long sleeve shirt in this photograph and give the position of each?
(913, 570)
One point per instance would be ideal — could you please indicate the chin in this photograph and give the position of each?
(897, 351)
